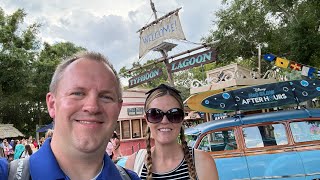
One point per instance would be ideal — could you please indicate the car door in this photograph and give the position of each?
(269, 154)
(223, 146)
(306, 137)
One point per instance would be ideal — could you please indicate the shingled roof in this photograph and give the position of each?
(8, 131)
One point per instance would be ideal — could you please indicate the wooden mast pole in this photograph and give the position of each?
(162, 51)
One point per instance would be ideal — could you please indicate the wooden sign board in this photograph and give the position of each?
(142, 78)
(194, 60)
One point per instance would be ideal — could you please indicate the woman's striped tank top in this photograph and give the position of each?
(180, 172)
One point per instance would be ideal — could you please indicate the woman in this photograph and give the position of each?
(168, 159)
(27, 152)
(113, 147)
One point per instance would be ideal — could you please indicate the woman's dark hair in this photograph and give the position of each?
(28, 149)
(115, 135)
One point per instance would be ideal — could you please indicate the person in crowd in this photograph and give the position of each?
(27, 152)
(8, 151)
(19, 148)
(35, 143)
(113, 147)
(48, 134)
(23, 141)
(1, 152)
(168, 159)
(13, 143)
(84, 100)
(41, 141)
(115, 140)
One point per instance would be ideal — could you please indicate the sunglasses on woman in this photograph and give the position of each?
(174, 115)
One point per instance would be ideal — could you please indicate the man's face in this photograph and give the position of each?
(85, 106)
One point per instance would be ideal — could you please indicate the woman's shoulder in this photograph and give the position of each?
(130, 161)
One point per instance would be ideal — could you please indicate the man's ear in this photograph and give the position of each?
(50, 99)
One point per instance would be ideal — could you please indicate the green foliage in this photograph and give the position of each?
(289, 28)
(18, 49)
(25, 72)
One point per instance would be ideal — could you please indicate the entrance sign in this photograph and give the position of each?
(264, 96)
(194, 60)
(152, 36)
(142, 78)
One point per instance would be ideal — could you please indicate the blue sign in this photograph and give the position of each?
(265, 96)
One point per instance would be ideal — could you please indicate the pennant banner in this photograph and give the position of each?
(307, 71)
(295, 66)
(284, 63)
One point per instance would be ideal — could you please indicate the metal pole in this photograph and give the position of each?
(153, 9)
(168, 68)
(259, 59)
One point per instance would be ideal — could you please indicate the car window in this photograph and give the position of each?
(218, 141)
(305, 131)
(191, 139)
(265, 135)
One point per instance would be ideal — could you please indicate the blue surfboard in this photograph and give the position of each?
(264, 96)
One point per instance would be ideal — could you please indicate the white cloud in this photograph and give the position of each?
(110, 26)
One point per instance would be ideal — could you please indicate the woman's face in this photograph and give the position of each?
(165, 132)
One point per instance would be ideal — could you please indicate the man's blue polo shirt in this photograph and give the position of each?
(3, 168)
(43, 165)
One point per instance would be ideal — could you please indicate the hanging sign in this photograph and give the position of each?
(194, 60)
(152, 36)
(264, 96)
(142, 78)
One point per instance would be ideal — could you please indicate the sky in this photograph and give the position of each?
(110, 26)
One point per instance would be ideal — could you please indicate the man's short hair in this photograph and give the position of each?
(87, 55)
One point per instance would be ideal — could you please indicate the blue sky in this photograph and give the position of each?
(110, 26)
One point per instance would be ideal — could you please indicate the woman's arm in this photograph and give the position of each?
(205, 166)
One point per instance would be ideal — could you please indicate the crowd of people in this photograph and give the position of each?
(12, 149)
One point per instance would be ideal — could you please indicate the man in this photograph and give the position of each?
(85, 99)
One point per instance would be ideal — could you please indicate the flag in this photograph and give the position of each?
(307, 71)
(295, 66)
(283, 63)
(269, 57)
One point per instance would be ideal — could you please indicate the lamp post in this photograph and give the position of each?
(259, 59)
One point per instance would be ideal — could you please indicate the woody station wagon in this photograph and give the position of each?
(275, 145)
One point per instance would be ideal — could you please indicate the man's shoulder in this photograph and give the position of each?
(132, 174)
(3, 168)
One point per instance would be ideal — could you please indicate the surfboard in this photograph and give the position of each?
(264, 96)
(194, 101)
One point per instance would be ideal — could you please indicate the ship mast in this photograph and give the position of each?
(163, 52)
